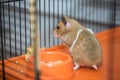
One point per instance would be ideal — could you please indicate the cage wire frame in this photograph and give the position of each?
(15, 25)
(35, 38)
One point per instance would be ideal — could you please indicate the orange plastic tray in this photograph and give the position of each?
(110, 69)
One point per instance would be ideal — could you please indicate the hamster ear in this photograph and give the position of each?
(65, 21)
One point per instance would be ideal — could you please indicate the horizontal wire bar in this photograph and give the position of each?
(9, 1)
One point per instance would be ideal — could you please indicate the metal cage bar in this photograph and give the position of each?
(2, 50)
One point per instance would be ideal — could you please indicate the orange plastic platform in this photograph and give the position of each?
(110, 69)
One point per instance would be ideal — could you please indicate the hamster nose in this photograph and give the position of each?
(54, 32)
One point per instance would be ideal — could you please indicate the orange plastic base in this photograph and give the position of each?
(55, 65)
(110, 69)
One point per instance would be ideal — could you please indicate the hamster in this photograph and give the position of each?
(82, 43)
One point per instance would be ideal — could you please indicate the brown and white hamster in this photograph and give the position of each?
(83, 44)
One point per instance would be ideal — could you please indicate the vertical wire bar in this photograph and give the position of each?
(97, 16)
(4, 32)
(49, 23)
(89, 16)
(67, 8)
(114, 14)
(40, 20)
(100, 16)
(70, 8)
(74, 5)
(111, 22)
(102, 7)
(74, 9)
(58, 16)
(25, 24)
(44, 24)
(105, 12)
(9, 29)
(53, 18)
(94, 14)
(62, 8)
(97, 28)
(3, 66)
(111, 7)
(20, 28)
(85, 11)
(15, 29)
(34, 36)
(78, 10)
(57, 10)
(107, 5)
(82, 12)
(30, 30)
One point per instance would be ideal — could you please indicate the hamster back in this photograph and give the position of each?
(87, 50)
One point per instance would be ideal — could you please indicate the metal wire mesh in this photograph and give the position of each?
(15, 24)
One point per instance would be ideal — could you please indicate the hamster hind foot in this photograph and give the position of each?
(76, 66)
(95, 67)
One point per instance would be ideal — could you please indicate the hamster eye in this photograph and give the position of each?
(58, 27)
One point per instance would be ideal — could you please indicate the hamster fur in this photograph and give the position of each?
(83, 44)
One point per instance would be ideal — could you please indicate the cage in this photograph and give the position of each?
(102, 16)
